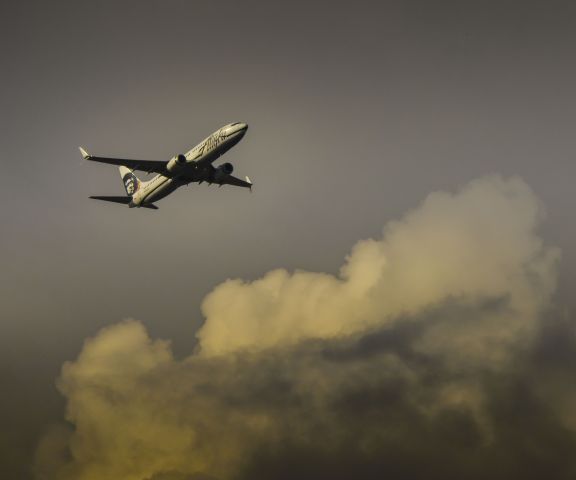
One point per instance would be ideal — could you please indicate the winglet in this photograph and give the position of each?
(84, 153)
(249, 181)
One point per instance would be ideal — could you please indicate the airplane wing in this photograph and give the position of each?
(148, 166)
(231, 180)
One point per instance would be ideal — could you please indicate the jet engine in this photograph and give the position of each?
(176, 163)
(222, 172)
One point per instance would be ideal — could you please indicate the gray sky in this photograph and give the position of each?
(356, 111)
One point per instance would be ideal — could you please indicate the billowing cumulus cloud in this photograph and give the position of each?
(473, 246)
(417, 359)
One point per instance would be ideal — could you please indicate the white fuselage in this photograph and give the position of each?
(195, 168)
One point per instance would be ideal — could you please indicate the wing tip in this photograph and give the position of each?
(249, 182)
(84, 153)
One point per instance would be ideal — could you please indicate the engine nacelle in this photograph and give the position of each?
(222, 172)
(176, 163)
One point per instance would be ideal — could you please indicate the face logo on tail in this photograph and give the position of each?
(131, 183)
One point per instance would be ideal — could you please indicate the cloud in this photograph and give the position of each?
(476, 245)
(417, 359)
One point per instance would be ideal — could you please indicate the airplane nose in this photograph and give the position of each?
(237, 127)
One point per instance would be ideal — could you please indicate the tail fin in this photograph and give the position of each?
(131, 181)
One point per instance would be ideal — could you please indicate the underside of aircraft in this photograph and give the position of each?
(196, 166)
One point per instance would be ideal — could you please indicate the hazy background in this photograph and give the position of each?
(356, 111)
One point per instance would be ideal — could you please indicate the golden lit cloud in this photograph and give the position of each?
(479, 243)
(397, 357)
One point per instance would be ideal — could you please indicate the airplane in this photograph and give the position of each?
(182, 169)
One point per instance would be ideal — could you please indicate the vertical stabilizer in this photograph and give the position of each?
(131, 181)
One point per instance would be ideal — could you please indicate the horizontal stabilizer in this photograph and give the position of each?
(124, 200)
